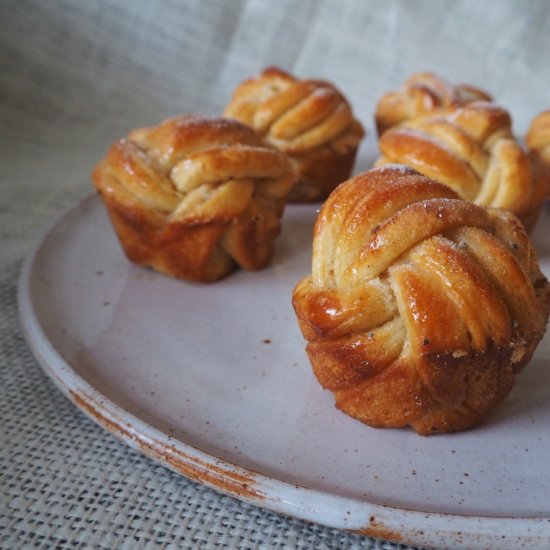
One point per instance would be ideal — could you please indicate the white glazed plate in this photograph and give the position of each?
(213, 381)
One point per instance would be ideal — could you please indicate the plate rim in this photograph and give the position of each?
(401, 525)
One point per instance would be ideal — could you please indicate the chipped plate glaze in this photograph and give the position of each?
(213, 382)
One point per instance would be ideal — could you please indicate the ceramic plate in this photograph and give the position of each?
(213, 382)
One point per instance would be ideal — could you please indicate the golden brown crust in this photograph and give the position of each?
(538, 136)
(309, 120)
(421, 307)
(538, 143)
(421, 94)
(472, 150)
(194, 197)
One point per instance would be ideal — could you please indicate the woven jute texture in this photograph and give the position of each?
(76, 75)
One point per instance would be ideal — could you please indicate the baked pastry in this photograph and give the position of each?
(421, 307)
(310, 120)
(423, 93)
(472, 150)
(538, 142)
(538, 137)
(194, 197)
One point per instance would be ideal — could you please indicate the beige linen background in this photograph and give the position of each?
(76, 75)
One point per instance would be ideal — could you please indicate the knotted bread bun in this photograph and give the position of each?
(472, 150)
(538, 137)
(421, 307)
(423, 93)
(538, 142)
(309, 120)
(194, 197)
